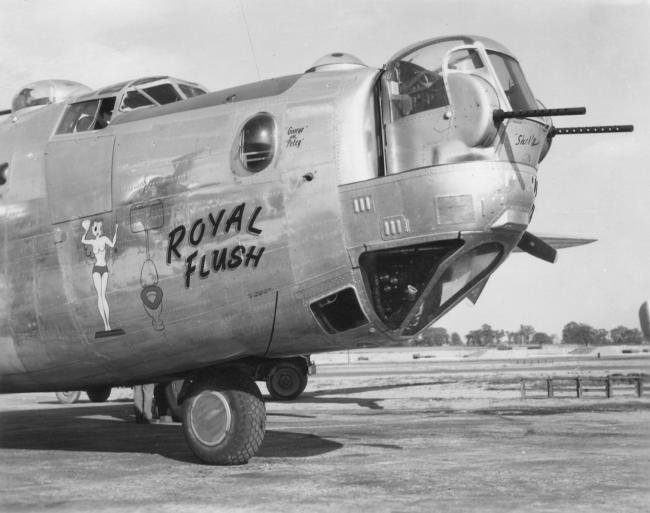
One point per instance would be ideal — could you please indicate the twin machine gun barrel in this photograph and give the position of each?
(499, 115)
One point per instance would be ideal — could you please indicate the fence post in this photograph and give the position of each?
(608, 387)
(639, 385)
(549, 387)
(522, 386)
(579, 387)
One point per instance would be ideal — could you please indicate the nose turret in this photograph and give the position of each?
(439, 100)
(459, 188)
(462, 137)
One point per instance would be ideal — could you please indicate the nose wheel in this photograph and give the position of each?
(224, 419)
(98, 394)
(286, 381)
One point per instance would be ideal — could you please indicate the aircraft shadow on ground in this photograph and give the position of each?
(374, 388)
(322, 396)
(81, 400)
(111, 428)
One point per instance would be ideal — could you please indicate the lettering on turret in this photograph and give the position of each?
(223, 222)
(526, 140)
(294, 136)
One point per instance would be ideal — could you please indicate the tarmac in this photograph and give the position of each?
(379, 440)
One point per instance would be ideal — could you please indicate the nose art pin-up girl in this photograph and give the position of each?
(98, 243)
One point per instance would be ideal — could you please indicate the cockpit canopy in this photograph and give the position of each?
(96, 110)
(151, 91)
(46, 92)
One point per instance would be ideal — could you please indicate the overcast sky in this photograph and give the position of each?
(574, 53)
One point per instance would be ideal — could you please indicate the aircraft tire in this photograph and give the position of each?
(286, 381)
(224, 419)
(68, 397)
(98, 394)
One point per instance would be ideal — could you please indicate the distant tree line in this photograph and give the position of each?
(583, 334)
(573, 333)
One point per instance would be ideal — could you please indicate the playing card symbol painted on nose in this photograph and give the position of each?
(151, 296)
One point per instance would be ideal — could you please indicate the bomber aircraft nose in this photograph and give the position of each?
(232, 234)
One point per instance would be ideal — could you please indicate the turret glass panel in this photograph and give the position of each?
(513, 81)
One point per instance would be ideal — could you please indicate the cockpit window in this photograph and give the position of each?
(134, 100)
(88, 115)
(163, 93)
(513, 81)
(80, 117)
(191, 91)
(105, 113)
(160, 94)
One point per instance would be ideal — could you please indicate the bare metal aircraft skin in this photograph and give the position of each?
(153, 232)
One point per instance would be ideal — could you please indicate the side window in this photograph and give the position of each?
(339, 311)
(105, 113)
(88, 115)
(255, 148)
(79, 117)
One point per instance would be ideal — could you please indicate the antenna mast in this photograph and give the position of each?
(250, 41)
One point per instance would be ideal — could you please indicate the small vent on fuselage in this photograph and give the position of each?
(362, 204)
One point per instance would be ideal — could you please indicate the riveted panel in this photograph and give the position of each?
(455, 209)
(78, 171)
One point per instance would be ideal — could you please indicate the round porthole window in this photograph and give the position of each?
(255, 149)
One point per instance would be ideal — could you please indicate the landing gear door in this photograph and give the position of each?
(78, 171)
